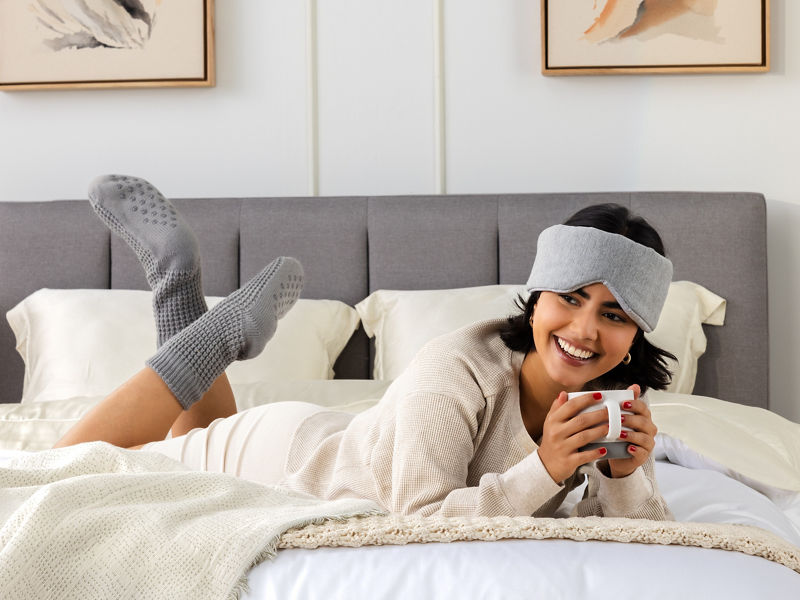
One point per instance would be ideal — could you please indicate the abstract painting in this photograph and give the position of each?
(52, 44)
(590, 37)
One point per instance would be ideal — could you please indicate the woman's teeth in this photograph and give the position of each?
(573, 351)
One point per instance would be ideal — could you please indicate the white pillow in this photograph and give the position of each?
(403, 321)
(87, 342)
(688, 307)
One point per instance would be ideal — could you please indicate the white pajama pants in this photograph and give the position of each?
(252, 444)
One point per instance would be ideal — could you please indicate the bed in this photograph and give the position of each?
(414, 266)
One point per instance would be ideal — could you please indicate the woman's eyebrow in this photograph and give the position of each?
(582, 293)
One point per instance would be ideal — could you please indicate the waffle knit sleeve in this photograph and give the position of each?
(434, 445)
(635, 496)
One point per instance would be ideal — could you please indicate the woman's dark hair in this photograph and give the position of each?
(648, 366)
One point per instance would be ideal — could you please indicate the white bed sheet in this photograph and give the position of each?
(511, 569)
(553, 569)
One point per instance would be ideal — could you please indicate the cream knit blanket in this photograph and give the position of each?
(395, 530)
(95, 521)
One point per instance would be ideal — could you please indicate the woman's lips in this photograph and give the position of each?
(569, 358)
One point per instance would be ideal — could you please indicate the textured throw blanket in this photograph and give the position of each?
(95, 521)
(395, 529)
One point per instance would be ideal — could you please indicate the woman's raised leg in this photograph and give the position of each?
(218, 402)
(186, 367)
(141, 410)
(169, 253)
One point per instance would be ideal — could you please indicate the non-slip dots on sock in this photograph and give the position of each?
(164, 244)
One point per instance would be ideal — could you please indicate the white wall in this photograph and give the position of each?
(508, 128)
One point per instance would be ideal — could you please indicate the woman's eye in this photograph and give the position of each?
(568, 299)
(615, 317)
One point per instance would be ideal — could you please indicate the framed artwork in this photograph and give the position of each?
(597, 37)
(64, 44)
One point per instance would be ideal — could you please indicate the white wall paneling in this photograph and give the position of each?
(312, 99)
(439, 87)
(375, 96)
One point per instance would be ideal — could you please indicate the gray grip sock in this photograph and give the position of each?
(237, 328)
(164, 243)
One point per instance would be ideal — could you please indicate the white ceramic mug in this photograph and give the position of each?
(612, 399)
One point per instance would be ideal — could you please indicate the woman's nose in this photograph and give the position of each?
(585, 324)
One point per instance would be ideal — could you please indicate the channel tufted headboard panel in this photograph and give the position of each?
(351, 246)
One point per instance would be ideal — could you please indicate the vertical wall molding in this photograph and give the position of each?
(439, 114)
(312, 100)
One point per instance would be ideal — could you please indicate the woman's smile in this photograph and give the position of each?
(573, 352)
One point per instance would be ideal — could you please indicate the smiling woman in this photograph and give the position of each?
(598, 283)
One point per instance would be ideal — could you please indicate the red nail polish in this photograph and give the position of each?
(603, 451)
(597, 396)
(623, 434)
(632, 448)
(622, 418)
(627, 405)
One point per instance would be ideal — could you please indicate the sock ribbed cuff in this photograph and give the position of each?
(180, 376)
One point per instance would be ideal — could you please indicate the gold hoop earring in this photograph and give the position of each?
(627, 359)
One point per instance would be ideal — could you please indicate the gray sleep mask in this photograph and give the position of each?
(568, 258)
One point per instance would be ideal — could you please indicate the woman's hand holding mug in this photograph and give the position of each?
(567, 429)
(577, 430)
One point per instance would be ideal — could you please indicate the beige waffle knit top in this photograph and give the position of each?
(447, 438)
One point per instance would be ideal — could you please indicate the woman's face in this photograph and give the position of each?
(580, 335)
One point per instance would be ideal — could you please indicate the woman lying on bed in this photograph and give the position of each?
(479, 423)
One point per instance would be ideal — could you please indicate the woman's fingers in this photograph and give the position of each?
(640, 423)
(642, 440)
(575, 405)
(587, 420)
(587, 456)
(587, 436)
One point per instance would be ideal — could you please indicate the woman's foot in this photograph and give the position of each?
(237, 328)
(164, 243)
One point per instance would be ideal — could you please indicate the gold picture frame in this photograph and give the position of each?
(52, 45)
(592, 37)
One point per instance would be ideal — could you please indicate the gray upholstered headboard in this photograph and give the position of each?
(352, 246)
